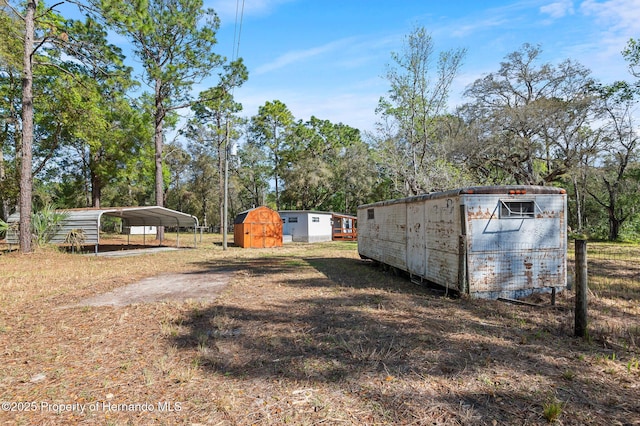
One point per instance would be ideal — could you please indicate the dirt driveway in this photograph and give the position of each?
(196, 286)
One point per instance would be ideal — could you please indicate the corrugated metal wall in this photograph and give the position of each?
(86, 220)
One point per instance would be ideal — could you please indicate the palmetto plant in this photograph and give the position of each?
(4, 227)
(76, 238)
(46, 223)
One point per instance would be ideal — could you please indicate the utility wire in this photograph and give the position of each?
(237, 30)
(235, 50)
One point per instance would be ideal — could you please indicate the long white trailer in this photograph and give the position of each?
(486, 241)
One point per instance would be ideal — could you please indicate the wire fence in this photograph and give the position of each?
(613, 291)
(613, 270)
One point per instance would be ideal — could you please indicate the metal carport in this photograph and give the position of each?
(88, 220)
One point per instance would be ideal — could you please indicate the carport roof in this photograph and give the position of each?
(144, 216)
(88, 219)
(135, 216)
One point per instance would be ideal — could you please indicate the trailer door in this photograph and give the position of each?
(416, 241)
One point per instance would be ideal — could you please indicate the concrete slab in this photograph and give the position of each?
(196, 286)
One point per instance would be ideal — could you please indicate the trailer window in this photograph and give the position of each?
(293, 220)
(370, 214)
(517, 209)
(315, 219)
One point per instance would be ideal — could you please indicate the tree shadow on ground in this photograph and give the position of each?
(426, 354)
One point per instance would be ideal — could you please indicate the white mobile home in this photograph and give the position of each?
(139, 230)
(488, 242)
(306, 226)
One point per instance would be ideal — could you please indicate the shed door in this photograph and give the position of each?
(258, 237)
(416, 241)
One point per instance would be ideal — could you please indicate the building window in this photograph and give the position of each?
(293, 220)
(315, 219)
(517, 209)
(370, 214)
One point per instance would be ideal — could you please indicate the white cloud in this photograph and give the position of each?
(461, 30)
(558, 9)
(614, 23)
(295, 56)
(619, 15)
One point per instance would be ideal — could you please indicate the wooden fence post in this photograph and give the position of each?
(463, 285)
(581, 289)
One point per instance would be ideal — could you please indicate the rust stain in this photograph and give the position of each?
(548, 215)
(471, 214)
(529, 275)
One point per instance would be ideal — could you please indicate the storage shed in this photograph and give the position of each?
(260, 227)
(488, 242)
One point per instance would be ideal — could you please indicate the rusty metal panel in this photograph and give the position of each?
(512, 257)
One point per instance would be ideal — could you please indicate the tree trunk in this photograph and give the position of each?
(3, 175)
(614, 226)
(275, 175)
(159, 118)
(96, 190)
(276, 166)
(578, 194)
(220, 177)
(614, 222)
(26, 178)
(205, 206)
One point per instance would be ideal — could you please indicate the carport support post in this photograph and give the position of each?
(581, 289)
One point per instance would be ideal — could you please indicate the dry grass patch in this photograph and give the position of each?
(304, 334)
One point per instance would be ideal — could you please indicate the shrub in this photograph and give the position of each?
(45, 224)
(76, 238)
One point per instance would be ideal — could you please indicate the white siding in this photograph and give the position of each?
(139, 230)
(304, 229)
(383, 238)
(321, 230)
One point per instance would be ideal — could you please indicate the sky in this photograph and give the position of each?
(328, 58)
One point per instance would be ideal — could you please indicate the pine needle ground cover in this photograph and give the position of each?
(304, 334)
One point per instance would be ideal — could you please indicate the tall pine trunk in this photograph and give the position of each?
(96, 190)
(26, 178)
(220, 143)
(159, 117)
(3, 176)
